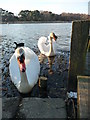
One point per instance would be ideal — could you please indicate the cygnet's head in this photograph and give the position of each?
(20, 55)
(53, 36)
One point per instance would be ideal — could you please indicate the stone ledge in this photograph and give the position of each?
(33, 108)
(42, 108)
(9, 107)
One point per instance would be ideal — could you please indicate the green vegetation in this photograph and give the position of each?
(26, 15)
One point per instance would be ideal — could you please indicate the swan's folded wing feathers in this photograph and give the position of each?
(42, 39)
(33, 70)
(14, 70)
(28, 53)
(43, 45)
(32, 66)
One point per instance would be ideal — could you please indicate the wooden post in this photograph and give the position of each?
(79, 43)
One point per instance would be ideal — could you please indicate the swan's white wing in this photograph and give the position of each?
(32, 71)
(43, 45)
(42, 39)
(28, 54)
(14, 70)
(32, 66)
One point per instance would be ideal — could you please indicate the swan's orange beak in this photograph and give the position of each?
(22, 67)
(21, 62)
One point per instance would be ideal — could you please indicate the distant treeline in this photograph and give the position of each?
(26, 15)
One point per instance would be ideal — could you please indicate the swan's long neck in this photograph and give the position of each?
(23, 77)
(51, 47)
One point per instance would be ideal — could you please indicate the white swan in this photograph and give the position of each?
(24, 69)
(48, 47)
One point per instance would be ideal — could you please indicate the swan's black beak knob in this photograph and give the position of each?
(21, 58)
(55, 37)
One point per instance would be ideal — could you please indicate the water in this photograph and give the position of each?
(29, 34)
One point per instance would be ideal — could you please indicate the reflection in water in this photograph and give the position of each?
(42, 58)
(43, 87)
(43, 80)
(51, 60)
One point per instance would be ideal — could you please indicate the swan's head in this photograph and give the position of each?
(53, 36)
(20, 55)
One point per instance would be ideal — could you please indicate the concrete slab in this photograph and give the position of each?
(42, 108)
(9, 107)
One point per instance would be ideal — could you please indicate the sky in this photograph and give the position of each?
(55, 6)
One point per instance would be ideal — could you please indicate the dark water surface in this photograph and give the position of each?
(54, 69)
